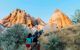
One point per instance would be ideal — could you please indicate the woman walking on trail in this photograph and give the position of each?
(29, 41)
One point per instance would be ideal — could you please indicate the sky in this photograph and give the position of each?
(39, 8)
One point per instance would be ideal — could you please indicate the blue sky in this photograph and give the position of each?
(39, 8)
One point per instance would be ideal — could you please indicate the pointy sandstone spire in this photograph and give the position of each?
(21, 17)
(60, 19)
(17, 16)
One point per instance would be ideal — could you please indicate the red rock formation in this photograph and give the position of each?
(1, 22)
(18, 16)
(60, 19)
(41, 23)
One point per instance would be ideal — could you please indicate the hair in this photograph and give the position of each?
(29, 35)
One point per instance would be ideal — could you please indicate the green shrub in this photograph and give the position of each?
(13, 38)
(54, 43)
(76, 16)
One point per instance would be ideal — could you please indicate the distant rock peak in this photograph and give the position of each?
(58, 18)
(20, 16)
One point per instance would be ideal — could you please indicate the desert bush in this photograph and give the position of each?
(76, 16)
(14, 37)
(54, 43)
(65, 39)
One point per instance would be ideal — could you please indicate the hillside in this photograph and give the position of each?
(70, 36)
(58, 23)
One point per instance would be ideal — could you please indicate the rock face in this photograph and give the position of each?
(59, 19)
(21, 17)
(1, 22)
(41, 23)
(18, 16)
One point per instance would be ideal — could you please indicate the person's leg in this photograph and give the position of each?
(34, 46)
(28, 48)
(38, 46)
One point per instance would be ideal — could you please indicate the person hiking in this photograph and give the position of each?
(29, 41)
(35, 39)
(36, 43)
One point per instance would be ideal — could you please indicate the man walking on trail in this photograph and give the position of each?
(35, 40)
(36, 43)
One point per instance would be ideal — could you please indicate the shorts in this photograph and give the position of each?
(28, 45)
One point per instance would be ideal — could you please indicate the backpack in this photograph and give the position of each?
(28, 40)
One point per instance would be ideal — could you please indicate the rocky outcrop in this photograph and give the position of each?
(60, 19)
(1, 22)
(41, 23)
(18, 16)
(21, 17)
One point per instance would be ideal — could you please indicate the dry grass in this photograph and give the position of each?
(69, 35)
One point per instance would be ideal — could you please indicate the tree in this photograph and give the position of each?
(13, 38)
(76, 17)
